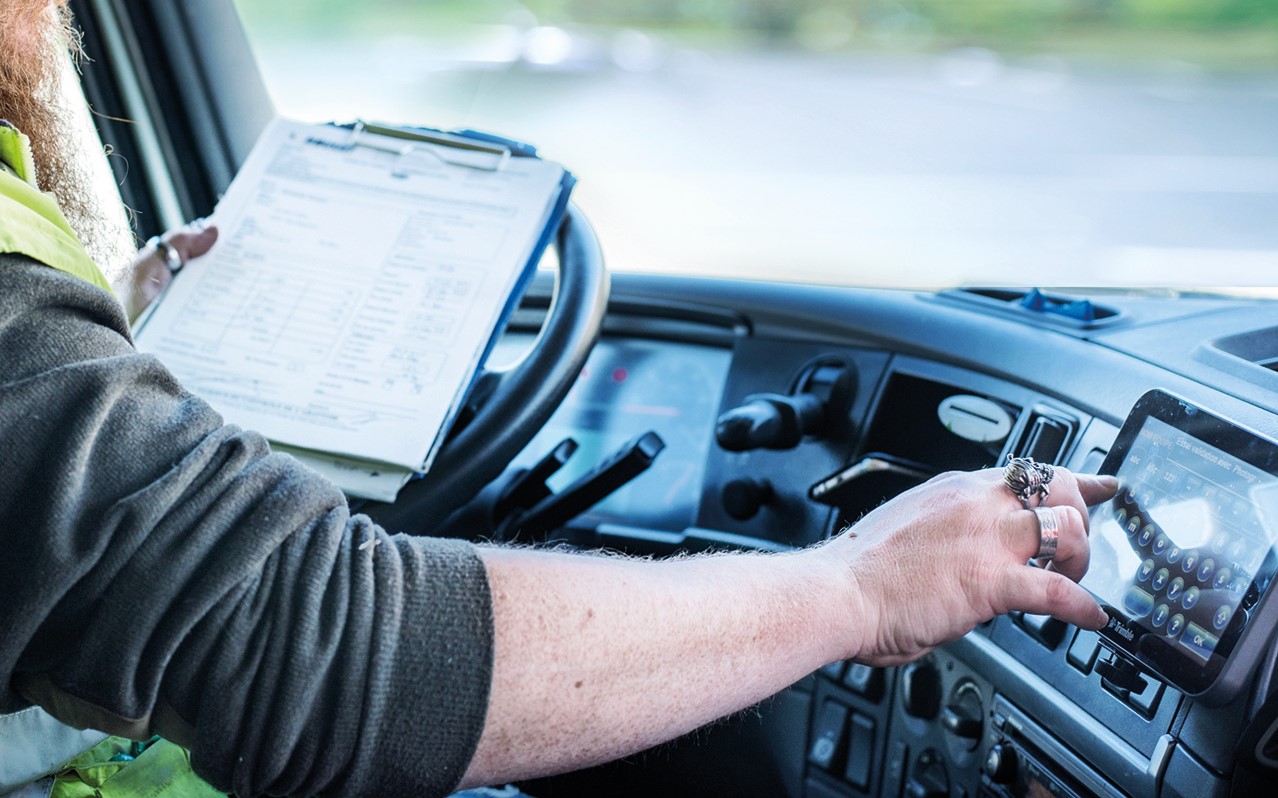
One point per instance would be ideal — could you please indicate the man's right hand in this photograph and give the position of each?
(930, 565)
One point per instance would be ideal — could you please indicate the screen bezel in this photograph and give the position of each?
(1245, 445)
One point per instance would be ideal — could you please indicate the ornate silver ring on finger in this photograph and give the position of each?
(168, 253)
(1027, 478)
(1049, 533)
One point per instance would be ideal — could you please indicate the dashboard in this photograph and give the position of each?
(1024, 705)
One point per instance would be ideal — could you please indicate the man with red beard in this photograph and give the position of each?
(165, 573)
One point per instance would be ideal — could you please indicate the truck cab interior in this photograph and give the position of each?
(838, 238)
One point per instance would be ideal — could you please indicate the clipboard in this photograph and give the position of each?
(213, 354)
(446, 145)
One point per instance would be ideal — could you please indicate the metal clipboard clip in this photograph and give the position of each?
(410, 144)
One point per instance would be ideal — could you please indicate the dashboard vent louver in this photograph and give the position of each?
(1077, 312)
(1258, 346)
(1047, 436)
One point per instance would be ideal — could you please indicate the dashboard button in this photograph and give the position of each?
(1221, 619)
(1190, 599)
(1082, 652)
(1205, 570)
(1175, 589)
(860, 751)
(1175, 625)
(866, 680)
(898, 756)
(1160, 579)
(829, 736)
(743, 498)
(1145, 570)
(1160, 615)
(1146, 536)
(921, 689)
(1137, 602)
(1000, 763)
(1199, 641)
(1043, 628)
(1161, 543)
(1190, 563)
(1174, 554)
(1222, 578)
(834, 670)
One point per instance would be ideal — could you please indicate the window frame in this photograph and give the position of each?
(177, 95)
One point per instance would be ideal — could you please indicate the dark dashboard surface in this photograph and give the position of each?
(1022, 706)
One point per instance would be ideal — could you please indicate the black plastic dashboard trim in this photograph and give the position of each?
(1106, 751)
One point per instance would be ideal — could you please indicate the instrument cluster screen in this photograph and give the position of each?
(1184, 551)
(630, 386)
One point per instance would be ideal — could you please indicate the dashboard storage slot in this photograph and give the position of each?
(908, 424)
(1258, 346)
(920, 428)
(1067, 311)
(1047, 436)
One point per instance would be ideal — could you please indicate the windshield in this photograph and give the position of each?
(910, 143)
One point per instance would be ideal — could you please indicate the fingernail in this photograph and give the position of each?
(1109, 482)
(199, 225)
(1102, 617)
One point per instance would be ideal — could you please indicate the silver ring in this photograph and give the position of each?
(168, 253)
(1048, 533)
(1026, 479)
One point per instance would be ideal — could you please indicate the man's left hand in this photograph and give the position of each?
(150, 271)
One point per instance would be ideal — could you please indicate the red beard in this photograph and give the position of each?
(37, 39)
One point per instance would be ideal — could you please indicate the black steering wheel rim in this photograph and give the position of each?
(525, 397)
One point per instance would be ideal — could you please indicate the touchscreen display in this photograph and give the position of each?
(1183, 551)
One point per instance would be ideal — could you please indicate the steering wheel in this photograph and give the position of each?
(524, 396)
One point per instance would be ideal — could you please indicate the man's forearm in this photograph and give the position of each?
(597, 657)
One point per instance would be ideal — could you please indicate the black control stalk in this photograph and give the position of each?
(555, 510)
(817, 406)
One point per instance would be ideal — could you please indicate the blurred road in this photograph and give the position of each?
(906, 171)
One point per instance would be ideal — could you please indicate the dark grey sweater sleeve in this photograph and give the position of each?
(163, 571)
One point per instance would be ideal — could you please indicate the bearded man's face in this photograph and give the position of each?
(36, 41)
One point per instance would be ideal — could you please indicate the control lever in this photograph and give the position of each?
(555, 510)
(769, 421)
(529, 487)
(821, 398)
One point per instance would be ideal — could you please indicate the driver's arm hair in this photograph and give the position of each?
(598, 657)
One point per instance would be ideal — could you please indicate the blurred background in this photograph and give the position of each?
(912, 143)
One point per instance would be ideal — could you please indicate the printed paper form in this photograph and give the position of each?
(352, 291)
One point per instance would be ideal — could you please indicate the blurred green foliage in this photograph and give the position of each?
(1245, 30)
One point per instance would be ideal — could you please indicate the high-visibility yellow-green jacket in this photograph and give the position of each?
(30, 222)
